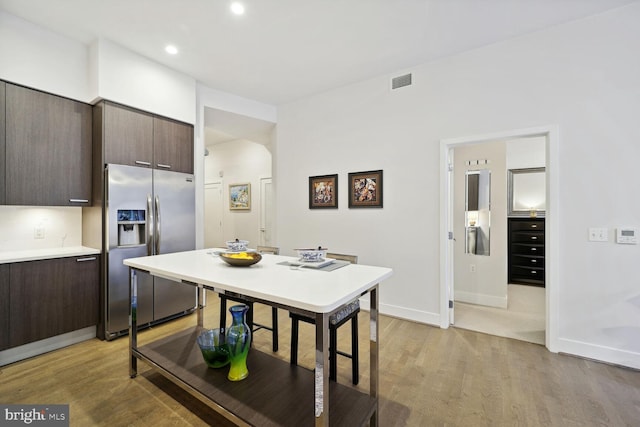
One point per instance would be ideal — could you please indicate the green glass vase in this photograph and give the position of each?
(238, 341)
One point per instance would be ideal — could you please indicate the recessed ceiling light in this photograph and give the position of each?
(237, 8)
(171, 49)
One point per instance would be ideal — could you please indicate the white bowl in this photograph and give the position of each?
(237, 245)
(312, 255)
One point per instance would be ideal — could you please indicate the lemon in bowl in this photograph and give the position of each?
(241, 259)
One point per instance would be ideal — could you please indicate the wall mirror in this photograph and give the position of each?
(477, 211)
(526, 192)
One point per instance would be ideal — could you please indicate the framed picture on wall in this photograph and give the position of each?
(240, 196)
(365, 189)
(323, 192)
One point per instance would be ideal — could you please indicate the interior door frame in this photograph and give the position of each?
(265, 203)
(552, 269)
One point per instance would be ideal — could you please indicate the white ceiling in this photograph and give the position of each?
(284, 50)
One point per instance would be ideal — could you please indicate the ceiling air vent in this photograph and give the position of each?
(401, 81)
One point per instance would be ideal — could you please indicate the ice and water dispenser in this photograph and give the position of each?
(131, 227)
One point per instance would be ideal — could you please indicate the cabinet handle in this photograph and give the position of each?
(140, 162)
(78, 201)
(534, 225)
(534, 238)
(86, 259)
(160, 165)
(534, 249)
(534, 272)
(534, 261)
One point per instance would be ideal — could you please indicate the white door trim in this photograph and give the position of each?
(552, 270)
(266, 228)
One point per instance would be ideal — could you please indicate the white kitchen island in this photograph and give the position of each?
(275, 393)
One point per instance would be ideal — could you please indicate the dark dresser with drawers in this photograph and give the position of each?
(526, 251)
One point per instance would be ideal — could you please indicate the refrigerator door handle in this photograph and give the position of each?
(150, 225)
(157, 230)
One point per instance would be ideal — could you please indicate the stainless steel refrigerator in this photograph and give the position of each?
(147, 212)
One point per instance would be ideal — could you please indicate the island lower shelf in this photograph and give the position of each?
(275, 393)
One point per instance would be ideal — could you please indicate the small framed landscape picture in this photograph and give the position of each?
(323, 192)
(365, 189)
(240, 196)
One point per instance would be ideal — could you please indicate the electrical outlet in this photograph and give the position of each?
(472, 268)
(38, 233)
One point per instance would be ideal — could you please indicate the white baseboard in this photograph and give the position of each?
(43, 346)
(481, 299)
(404, 313)
(605, 354)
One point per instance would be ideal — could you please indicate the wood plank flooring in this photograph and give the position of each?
(428, 377)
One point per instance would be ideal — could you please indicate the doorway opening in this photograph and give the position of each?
(474, 300)
(237, 153)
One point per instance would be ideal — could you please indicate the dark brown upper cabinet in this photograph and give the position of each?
(127, 136)
(47, 149)
(172, 145)
(2, 141)
(136, 138)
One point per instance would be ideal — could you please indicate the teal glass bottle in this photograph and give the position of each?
(239, 341)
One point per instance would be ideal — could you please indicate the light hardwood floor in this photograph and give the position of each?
(428, 377)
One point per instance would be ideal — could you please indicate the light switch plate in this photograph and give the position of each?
(598, 235)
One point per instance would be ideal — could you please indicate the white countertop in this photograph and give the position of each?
(305, 288)
(48, 253)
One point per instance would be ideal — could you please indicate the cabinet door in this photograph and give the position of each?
(52, 297)
(2, 141)
(4, 306)
(128, 136)
(172, 145)
(48, 149)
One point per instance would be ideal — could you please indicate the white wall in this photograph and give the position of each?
(239, 161)
(38, 58)
(128, 78)
(60, 224)
(526, 153)
(582, 76)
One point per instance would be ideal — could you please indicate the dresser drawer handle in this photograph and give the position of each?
(534, 272)
(534, 249)
(534, 225)
(534, 261)
(534, 237)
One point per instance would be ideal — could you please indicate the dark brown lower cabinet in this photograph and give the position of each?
(52, 297)
(4, 306)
